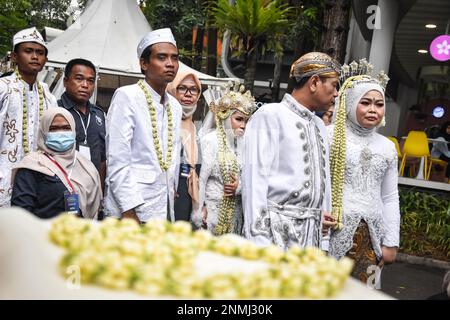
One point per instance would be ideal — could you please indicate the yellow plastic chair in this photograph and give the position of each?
(416, 146)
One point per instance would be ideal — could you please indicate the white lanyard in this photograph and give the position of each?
(85, 128)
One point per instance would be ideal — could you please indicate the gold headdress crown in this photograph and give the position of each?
(362, 68)
(234, 98)
(314, 63)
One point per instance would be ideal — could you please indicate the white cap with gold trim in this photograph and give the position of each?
(29, 35)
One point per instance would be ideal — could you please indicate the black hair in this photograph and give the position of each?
(300, 84)
(443, 132)
(78, 61)
(16, 48)
(146, 56)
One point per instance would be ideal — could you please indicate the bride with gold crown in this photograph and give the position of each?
(364, 175)
(222, 147)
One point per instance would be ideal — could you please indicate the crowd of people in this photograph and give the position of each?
(276, 175)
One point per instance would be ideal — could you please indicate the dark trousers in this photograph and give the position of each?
(183, 203)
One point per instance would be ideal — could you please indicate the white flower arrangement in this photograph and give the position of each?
(159, 259)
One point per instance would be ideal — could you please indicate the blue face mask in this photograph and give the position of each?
(60, 141)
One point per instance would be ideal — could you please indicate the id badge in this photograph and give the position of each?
(71, 203)
(185, 169)
(85, 151)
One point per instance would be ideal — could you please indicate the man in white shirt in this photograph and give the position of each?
(22, 101)
(286, 180)
(142, 136)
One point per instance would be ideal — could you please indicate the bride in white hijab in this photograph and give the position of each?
(220, 204)
(364, 176)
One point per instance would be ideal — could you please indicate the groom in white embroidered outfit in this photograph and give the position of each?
(142, 140)
(22, 100)
(286, 180)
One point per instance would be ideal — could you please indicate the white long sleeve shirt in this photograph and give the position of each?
(11, 129)
(286, 182)
(134, 178)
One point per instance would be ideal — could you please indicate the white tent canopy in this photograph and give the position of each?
(51, 33)
(107, 33)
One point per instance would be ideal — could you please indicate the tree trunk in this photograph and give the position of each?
(298, 52)
(211, 64)
(252, 59)
(335, 28)
(198, 49)
(277, 77)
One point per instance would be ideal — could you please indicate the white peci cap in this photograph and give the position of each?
(155, 36)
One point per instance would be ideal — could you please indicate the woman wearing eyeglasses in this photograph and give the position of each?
(186, 87)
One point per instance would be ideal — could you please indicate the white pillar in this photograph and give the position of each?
(383, 35)
(357, 46)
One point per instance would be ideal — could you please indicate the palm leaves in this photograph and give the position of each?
(252, 18)
(255, 25)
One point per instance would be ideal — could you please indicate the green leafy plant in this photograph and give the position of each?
(19, 14)
(179, 15)
(255, 26)
(425, 224)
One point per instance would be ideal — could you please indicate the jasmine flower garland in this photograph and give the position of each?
(159, 258)
(25, 143)
(164, 164)
(229, 169)
(338, 152)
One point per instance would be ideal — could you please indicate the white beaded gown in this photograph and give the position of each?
(212, 184)
(370, 191)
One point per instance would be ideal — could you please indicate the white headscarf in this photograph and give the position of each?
(352, 98)
(209, 124)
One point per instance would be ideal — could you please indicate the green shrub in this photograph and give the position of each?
(425, 224)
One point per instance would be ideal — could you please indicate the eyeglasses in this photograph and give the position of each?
(193, 90)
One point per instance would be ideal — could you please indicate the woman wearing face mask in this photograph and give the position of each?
(364, 177)
(220, 205)
(186, 87)
(56, 178)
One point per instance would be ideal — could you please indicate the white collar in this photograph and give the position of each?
(22, 83)
(156, 97)
(297, 107)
